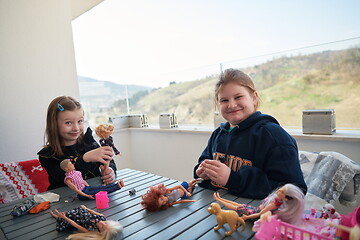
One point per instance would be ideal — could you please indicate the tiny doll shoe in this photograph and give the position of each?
(22, 209)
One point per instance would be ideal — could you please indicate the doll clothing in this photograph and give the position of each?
(92, 190)
(23, 208)
(246, 209)
(76, 178)
(82, 217)
(109, 142)
(75, 152)
(175, 194)
(262, 156)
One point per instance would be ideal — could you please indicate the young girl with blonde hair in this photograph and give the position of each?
(250, 155)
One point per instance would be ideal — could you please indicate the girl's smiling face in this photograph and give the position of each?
(236, 103)
(70, 126)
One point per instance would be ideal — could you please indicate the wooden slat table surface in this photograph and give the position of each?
(182, 221)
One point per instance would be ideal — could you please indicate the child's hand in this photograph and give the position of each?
(216, 171)
(100, 154)
(201, 173)
(108, 175)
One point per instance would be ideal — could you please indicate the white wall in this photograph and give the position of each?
(173, 153)
(37, 64)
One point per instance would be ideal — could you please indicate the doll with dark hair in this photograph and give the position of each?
(287, 203)
(91, 224)
(104, 131)
(160, 198)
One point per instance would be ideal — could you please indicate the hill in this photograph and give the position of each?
(286, 85)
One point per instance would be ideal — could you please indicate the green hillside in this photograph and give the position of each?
(286, 86)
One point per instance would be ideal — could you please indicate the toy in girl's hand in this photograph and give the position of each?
(329, 211)
(103, 131)
(76, 182)
(91, 224)
(226, 216)
(160, 198)
(286, 202)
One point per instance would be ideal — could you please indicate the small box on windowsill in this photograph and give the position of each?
(168, 120)
(319, 121)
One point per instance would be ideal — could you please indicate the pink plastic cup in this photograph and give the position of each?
(102, 200)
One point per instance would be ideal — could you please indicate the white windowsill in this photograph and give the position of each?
(339, 135)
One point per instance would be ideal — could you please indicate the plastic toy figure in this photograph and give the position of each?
(91, 224)
(76, 182)
(103, 131)
(226, 216)
(291, 212)
(160, 198)
(329, 212)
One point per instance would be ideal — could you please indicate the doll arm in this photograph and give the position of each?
(73, 187)
(182, 201)
(269, 207)
(72, 223)
(227, 203)
(91, 211)
(86, 183)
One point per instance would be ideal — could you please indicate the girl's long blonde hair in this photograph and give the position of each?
(113, 228)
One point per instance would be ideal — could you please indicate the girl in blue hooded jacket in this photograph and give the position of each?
(251, 154)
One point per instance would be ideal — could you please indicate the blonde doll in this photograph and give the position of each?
(91, 224)
(287, 202)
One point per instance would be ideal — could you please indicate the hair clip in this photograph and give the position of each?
(60, 107)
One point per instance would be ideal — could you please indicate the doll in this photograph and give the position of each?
(329, 211)
(76, 182)
(91, 224)
(287, 202)
(103, 131)
(160, 198)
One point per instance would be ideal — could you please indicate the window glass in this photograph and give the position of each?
(154, 57)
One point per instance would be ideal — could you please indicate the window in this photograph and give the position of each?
(144, 53)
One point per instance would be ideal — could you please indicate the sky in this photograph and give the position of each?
(155, 42)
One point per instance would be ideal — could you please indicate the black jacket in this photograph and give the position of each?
(75, 152)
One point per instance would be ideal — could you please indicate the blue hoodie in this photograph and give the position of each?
(261, 154)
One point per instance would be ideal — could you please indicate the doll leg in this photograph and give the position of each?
(192, 184)
(92, 190)
(227, 203)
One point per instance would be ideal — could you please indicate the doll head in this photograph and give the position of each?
(293, 209)
(104, 130)
(52, 136)
(67, 165)
(107, 231)
(154, 199)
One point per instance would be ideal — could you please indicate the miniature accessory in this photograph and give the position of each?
(226, 216)
(40, 207)
(23, 208)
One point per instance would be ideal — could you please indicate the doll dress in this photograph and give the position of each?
(82, 217)
(246, 209)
